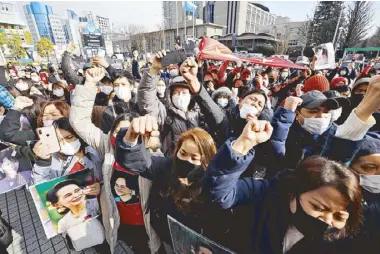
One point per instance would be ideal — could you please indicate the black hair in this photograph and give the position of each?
(130, 181)
(124, 74)
(64, 124)
(257, 91)
(122, 117)
(51, 195)
(106, 79)
(51, 69)
(32, 112)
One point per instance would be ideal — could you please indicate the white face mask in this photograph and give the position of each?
(106, 89)
(222, 102)
(36, 79)
(181, 101)
(284, 75)
(335, 114)
(48, 122)
(71, 148)
(161, 90)
(123, 93)
(58, 92)
(134, 91)
(370, 183)
(248, 109)
(173, 73)
(21, 86)
(316, 125)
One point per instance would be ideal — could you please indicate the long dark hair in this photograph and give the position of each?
(188, 198)
(51, 195)
(32, 112)
(64, 124)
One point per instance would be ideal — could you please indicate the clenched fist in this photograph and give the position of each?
(255, 132)
(292, 102)
(145, 126)
(189, 70)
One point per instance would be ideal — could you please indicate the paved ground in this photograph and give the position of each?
(28, 235)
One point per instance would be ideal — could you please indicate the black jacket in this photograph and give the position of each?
(10, 129)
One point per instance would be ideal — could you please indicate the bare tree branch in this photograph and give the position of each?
(359, 20)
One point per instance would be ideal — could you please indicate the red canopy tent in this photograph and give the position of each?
(210, 49)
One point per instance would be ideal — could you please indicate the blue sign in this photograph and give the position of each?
(91, 28)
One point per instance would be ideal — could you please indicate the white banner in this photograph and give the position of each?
(325, 56)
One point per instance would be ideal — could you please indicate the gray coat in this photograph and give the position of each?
(80, 119)
(172, 121)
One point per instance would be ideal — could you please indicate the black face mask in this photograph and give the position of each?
(271, 80)
(306, 224)
(183, 168)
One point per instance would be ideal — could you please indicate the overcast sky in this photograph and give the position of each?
(149, 13)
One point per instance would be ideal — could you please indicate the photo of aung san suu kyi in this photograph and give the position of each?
(63, 203)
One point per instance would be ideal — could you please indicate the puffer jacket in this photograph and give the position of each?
(172, 121)
(292, 143)
(80, 120)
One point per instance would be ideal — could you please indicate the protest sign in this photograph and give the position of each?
(186, 240)
(325, 56)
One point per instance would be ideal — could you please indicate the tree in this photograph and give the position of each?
(374, 40)
(44, 47)
(28, 37)
(324, 22)
(137, 37)
(3, 39)
(359, 20)
(14, 44)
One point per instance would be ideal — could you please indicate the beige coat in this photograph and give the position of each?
(80, 119)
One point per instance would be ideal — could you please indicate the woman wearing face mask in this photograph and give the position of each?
(303, 127)
(51, 111)
(223, 97)
(73, 156)
(161, 91)
(177, 180)
(23, 86)
(297, 210)
(60, 92)
(129, 218)
(122, 102)
(105, 90)
(79, 212)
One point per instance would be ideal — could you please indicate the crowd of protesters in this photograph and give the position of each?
(257, 159)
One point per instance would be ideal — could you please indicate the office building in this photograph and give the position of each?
(241, 17)
(43, 22)
(286, 30)
(73, 27)
(209, 12)
(103, 24)
(11, 22)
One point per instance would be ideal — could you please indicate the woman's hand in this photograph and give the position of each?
(145, 126)
(92, 190)
(255, 132)
(100, 61)
(93, 76)
(41, 150)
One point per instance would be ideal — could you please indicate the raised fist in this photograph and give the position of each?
(189, 70)
(145, 126)
(292, 102)
(94, 75)
(255, 132)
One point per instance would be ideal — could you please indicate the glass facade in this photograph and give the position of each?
(41, 14)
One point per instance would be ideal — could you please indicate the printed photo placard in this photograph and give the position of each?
(15, 170)
(62, 203)
(186, 240)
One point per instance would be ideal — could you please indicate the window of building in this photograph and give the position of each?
(293, 42)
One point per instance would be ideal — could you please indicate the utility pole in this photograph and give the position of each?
(337, 25)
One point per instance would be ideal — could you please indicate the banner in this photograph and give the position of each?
(186, 240)
(325, 56)
(57, 200)
(273, 62)
(210, 49)
(15, 169)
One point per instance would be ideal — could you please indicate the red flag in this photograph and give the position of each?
(274, 62)
(210, 49)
